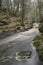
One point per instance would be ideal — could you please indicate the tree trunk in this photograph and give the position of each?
(0, 5)
(8, 9)
(11, 4)
(23, 11)
(17, 10)
(39, 6)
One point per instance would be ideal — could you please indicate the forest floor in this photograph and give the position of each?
(12, 23)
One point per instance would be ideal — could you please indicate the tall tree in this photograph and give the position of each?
(10, 4)
(23, 10)
(8, 9)
(0, 5)
(16, 6)
(39, 6)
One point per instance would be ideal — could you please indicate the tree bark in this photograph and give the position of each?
(0, 5)
(23, 11)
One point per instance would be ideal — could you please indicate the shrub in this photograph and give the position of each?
(38, 43)
(40, 53)
(4, 22)
(38, 37)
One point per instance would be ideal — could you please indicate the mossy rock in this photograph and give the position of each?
(38, 43)
(24, 53)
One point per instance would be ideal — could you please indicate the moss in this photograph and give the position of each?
(24, 53)
(38, 37)
(38, 43)
(40, 54)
